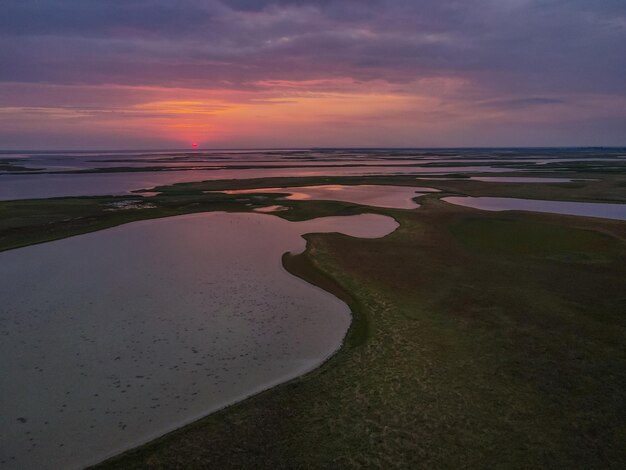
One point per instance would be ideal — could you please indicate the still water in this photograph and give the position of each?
(113, 338)
(586, 209)
(37, 186)
(397, 197)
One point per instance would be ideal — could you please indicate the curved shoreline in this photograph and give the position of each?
(312, 324)
(300, 266)
(235, 421)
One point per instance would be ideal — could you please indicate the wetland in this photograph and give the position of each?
(466, 337)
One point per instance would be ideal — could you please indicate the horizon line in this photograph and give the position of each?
(196, 149)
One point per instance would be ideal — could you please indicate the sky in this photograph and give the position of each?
(122, 74)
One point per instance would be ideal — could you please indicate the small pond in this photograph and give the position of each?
(586, 209)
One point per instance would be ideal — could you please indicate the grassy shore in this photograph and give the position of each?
(24, 222)
(465, 353)
(479, 339)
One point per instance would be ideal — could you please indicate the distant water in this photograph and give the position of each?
(113, 338)
(397, 197)
(189, 166)
(519, 179)
(586, 209)
(36, 186)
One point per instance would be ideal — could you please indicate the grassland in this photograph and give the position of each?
(479, 339)
(461, 356)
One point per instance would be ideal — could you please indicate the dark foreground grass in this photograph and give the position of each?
(460, 356)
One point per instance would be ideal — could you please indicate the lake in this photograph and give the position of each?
(395, 197)
(585, 209)
(112, 338)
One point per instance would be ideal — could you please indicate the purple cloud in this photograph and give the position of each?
(508, 54)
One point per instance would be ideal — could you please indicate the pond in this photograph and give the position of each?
(519, 179)
(113, 338)
(397, 197)
(586, 209)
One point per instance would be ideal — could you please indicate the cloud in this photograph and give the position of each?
(521, 103)
(498, 55)
(505, 44)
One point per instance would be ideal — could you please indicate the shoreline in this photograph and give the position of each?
(298, 363)
(427, 243)
(301, 267)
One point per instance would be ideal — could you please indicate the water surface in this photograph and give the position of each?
(38, 186)
(586, 209)
(519, 179)
(397, 197)
(112, 338)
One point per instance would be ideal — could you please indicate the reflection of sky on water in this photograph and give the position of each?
(35, 186)
(519, 179)
(398, 197)
(134, 331)
(190, 166)
(587, 209)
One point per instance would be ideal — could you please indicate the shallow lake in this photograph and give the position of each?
(112, 338)
(37, 186)
(586, 209)
(519, 179)
(397, 197)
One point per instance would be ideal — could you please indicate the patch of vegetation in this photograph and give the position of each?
(25, 222)
(480, 339)
(469, 361)
(514, 237)
(590, 188)
(9, 165)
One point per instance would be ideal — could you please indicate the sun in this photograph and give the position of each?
(194, 145)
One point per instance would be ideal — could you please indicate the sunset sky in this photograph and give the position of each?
(330, 73)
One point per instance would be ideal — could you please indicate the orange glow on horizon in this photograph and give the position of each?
(280, 113)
